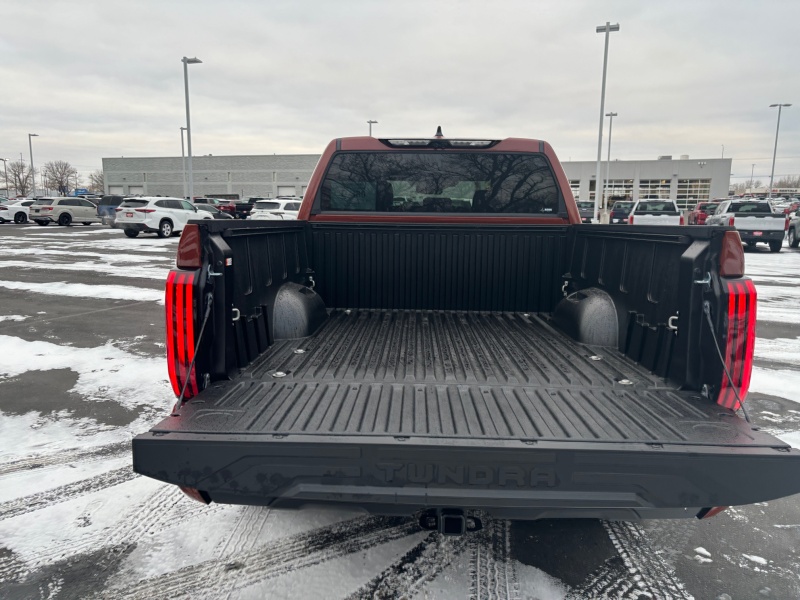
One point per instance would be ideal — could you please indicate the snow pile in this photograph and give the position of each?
(12, 318)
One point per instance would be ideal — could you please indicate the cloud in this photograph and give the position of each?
(105, 79)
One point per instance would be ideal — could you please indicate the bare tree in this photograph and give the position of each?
(20, 176)
(97, 182)
(788, 182)
(59, 175)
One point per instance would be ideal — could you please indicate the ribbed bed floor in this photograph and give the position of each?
(454, 375)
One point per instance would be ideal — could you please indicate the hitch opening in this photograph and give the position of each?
(449, 521)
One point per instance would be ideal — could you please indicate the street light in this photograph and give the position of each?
(610, 116)
(186, 62)
(607, 29)
(183, 161)
(33, 172)
(775, 151)
(752, 169)
(5, 171)
(370, 122)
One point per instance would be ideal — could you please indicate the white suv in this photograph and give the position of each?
(282, 208)
(163, 216)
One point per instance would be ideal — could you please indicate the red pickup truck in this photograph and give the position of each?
(438, 335)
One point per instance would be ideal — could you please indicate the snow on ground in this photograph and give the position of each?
(103, 372)
(112, 268)
(13, 318)
(776, 382)
(82, 290)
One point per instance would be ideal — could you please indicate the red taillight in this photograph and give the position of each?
(190, 249)
(118, 209)
(145, 210)
(731, 221)
(786, 224)
(180, 331)
(630, 219)
(682, 221)
(47, 208)
(731, 257)
(739, 342)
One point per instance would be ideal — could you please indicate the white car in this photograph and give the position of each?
(279, 209)
(15, 211)
(163, 216)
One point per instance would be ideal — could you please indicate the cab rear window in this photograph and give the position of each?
(440, 182)
(750, 207)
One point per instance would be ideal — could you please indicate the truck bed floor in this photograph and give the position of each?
(498, 376)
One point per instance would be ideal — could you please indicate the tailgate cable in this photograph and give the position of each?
(707, 311)
(209, 299)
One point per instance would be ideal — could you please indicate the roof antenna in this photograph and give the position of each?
(439, 133)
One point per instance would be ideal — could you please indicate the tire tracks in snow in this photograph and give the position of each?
(637, 574)
(492, 572)
(421, 564)
(63, 493)
(66, 457)
(214, 577)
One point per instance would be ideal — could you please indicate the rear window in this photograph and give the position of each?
(261, 205)
(133, 203)
(440, 182)
(586, 205)
(655, 206)
(292, 206)
(709, 209)
(44, 202)
(622, 206)
(109, 201)
(750, 207)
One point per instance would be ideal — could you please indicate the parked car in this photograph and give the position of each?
(64, 211)
(107, 208)
(794, 229)
(700, 212)
(755, 221)
(163, 216)
(793, 207)
(228, 206)
(620, 211)
(15, 211)
(586, 209)
(281, 208)
(213, 211)
(655, 212)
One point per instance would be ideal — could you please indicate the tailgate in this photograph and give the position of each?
(771, 222)
(519, 479)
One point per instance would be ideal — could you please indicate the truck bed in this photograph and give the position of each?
(489, 376)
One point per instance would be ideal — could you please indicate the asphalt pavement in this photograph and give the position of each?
(82, 370)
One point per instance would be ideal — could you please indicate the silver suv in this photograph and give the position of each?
(63, 211)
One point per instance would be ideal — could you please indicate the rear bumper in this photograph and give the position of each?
(766, 236)
(144, 227)
(509, 479)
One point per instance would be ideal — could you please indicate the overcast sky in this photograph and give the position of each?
(104, 78)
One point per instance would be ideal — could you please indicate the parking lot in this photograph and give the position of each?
(82, 370)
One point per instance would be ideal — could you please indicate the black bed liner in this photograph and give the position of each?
(436, 374)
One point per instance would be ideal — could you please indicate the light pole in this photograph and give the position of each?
(775, 151)
(610, 116)
(607, 29)
(186, 63)
(752, 169)
(183, 161)
(371, 122)
(33, 172)
(5, 172)
(723, 150)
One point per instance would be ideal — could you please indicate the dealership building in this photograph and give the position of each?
(684, 180)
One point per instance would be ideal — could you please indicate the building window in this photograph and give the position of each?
(654, 189)
(619, 188)
(692, 190)
(575, 186)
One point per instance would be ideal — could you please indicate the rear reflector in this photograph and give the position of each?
(196, 494)
(190, 250)
(180, 331)
(707, 513)
(731, 257)
(739, 342)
